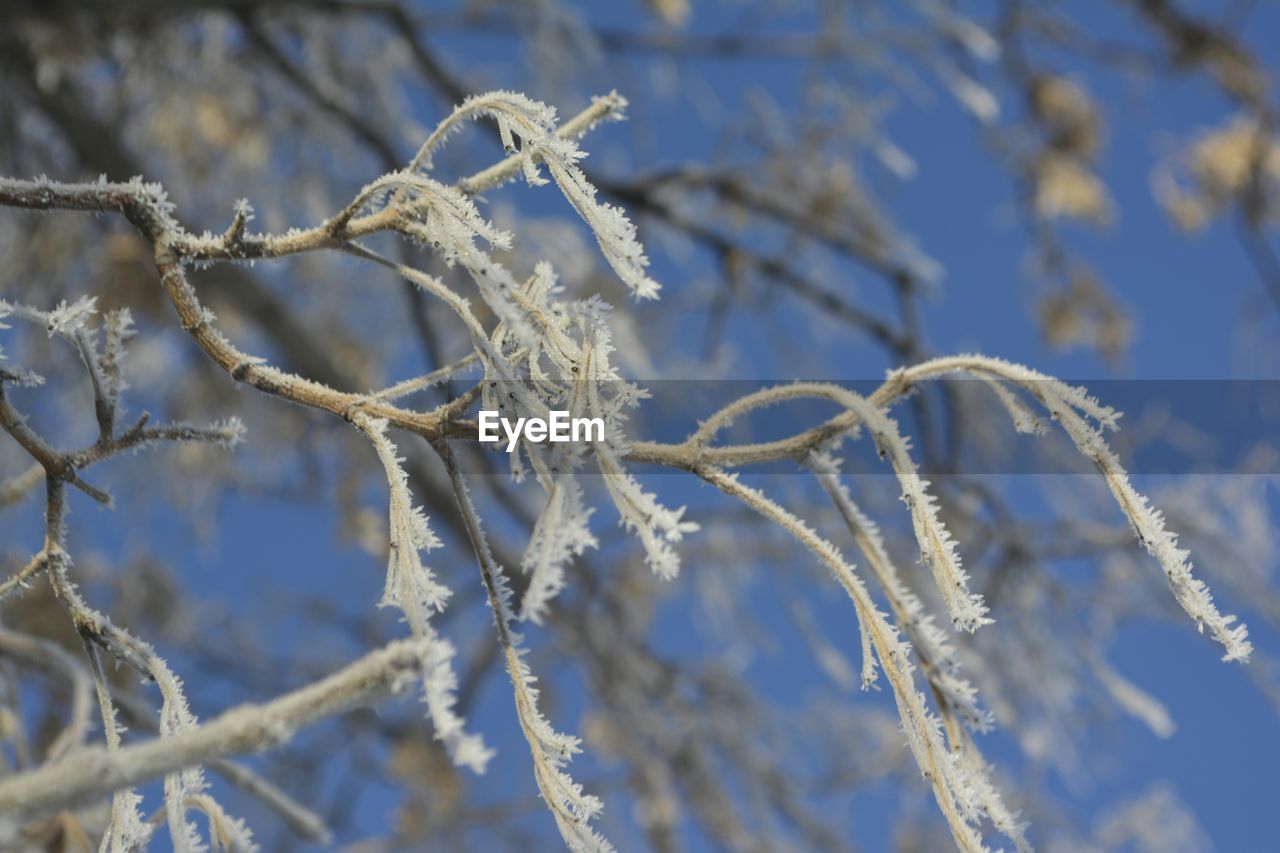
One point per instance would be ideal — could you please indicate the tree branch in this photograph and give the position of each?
(94, 773)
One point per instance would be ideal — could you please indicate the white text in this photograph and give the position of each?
(558, 427)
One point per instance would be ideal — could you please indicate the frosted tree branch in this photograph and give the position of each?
(536, 348)
(94, 772)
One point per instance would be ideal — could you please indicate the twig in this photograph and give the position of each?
(94, 773)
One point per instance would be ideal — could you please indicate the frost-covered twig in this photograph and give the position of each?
(534, 123)
(957, 791)
(1073, 408)
(54, 463)
(955, 696)
(127, 830)
(572, 808)
(937, 548)
(933, 647)
(304, 822)
(605, 108)
(93, 773)
(1081, 416)
(413, 589)
(21, 578)
(429, 380)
